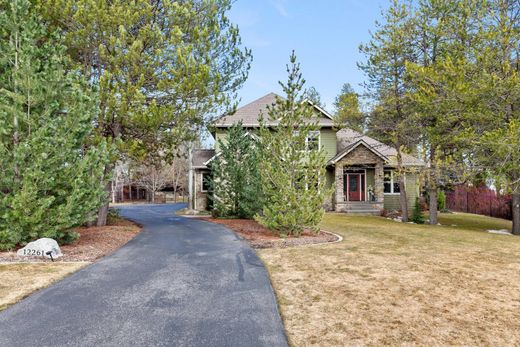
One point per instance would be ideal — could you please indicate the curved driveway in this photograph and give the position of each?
(180, 282)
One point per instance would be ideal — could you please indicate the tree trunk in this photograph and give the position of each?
(515, 207)
(191, 202)
(103, 210)
(432, 192)
(403, 200)
(113, 186)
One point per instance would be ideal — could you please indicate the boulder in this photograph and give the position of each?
(41, 248)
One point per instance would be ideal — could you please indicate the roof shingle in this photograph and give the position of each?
(201, 156)
(250, 113)
(345, 138)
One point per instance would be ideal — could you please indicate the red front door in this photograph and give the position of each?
(356, 187)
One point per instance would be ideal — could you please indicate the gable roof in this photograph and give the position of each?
(201, 157)
(346, 139)
(249, 114)
(353, 146)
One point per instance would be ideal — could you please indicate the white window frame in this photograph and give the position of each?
(311, 134)
(202, 182)
(392, 177)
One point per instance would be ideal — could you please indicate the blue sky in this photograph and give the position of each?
(325, 35)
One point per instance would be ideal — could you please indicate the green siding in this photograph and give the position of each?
(328, 142)
(220, 134)
(392, 200)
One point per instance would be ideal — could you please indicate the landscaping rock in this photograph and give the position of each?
(41, 248)
(500, 232)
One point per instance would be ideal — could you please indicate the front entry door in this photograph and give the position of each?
(356, 186)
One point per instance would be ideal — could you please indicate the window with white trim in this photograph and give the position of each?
(312, 141)
(391, 183)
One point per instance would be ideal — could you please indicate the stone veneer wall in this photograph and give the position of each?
(201, 198)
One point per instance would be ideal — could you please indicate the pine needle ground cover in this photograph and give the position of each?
(393, 283)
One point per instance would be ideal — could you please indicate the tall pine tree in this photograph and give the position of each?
(235, 184)
(50, 166)
(161, 67)
(292, 169)
(387, 53)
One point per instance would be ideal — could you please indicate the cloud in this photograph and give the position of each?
(280, 6)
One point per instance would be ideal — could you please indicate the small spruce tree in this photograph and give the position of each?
(236, 189)
(417, 215)
(292, 165)
(51, 168)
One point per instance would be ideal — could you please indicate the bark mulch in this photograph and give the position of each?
(259, 236)
(93, 243)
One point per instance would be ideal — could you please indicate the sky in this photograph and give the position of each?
(325, 35)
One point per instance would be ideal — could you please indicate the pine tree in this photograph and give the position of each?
(235, 184)
(314, 96)
(291, 168)
(497, 126)
(162, 67)
(348, 110)
(388, 52)
(417, 215)
(50, 165)
(443, 97)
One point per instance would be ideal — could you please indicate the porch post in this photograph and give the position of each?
(340, 195)
(379, 182)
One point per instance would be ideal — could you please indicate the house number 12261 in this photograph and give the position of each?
(32, 252)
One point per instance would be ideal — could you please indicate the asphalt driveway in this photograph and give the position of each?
(180, 282)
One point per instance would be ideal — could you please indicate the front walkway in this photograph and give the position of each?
(180, 282)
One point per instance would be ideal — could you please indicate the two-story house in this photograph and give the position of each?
(360, 168)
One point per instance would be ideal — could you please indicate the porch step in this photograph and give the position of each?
(362, 206)
(371, 211)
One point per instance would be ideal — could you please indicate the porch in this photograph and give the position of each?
(359, 189)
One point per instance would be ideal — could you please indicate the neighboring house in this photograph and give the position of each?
(360, 169)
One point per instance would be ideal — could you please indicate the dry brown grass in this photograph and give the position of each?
(18, 280)
(390, 283)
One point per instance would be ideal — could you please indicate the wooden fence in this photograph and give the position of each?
(479, 200)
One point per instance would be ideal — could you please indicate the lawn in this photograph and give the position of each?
(18, 280)
(401, 284)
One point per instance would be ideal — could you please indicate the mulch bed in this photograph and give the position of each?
(259, 236)
(93, 243)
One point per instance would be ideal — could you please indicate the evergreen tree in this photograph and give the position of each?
(442, 95)
(50, 169)
(388, 52)
(496, 130)
(314, 96)
(291, 167)
(417, 215)
(235, 184)
(161, 67)
(348, 110)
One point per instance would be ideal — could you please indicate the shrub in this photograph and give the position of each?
(417, 215)
(441, 201)
(235, 185)
(52, 166)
